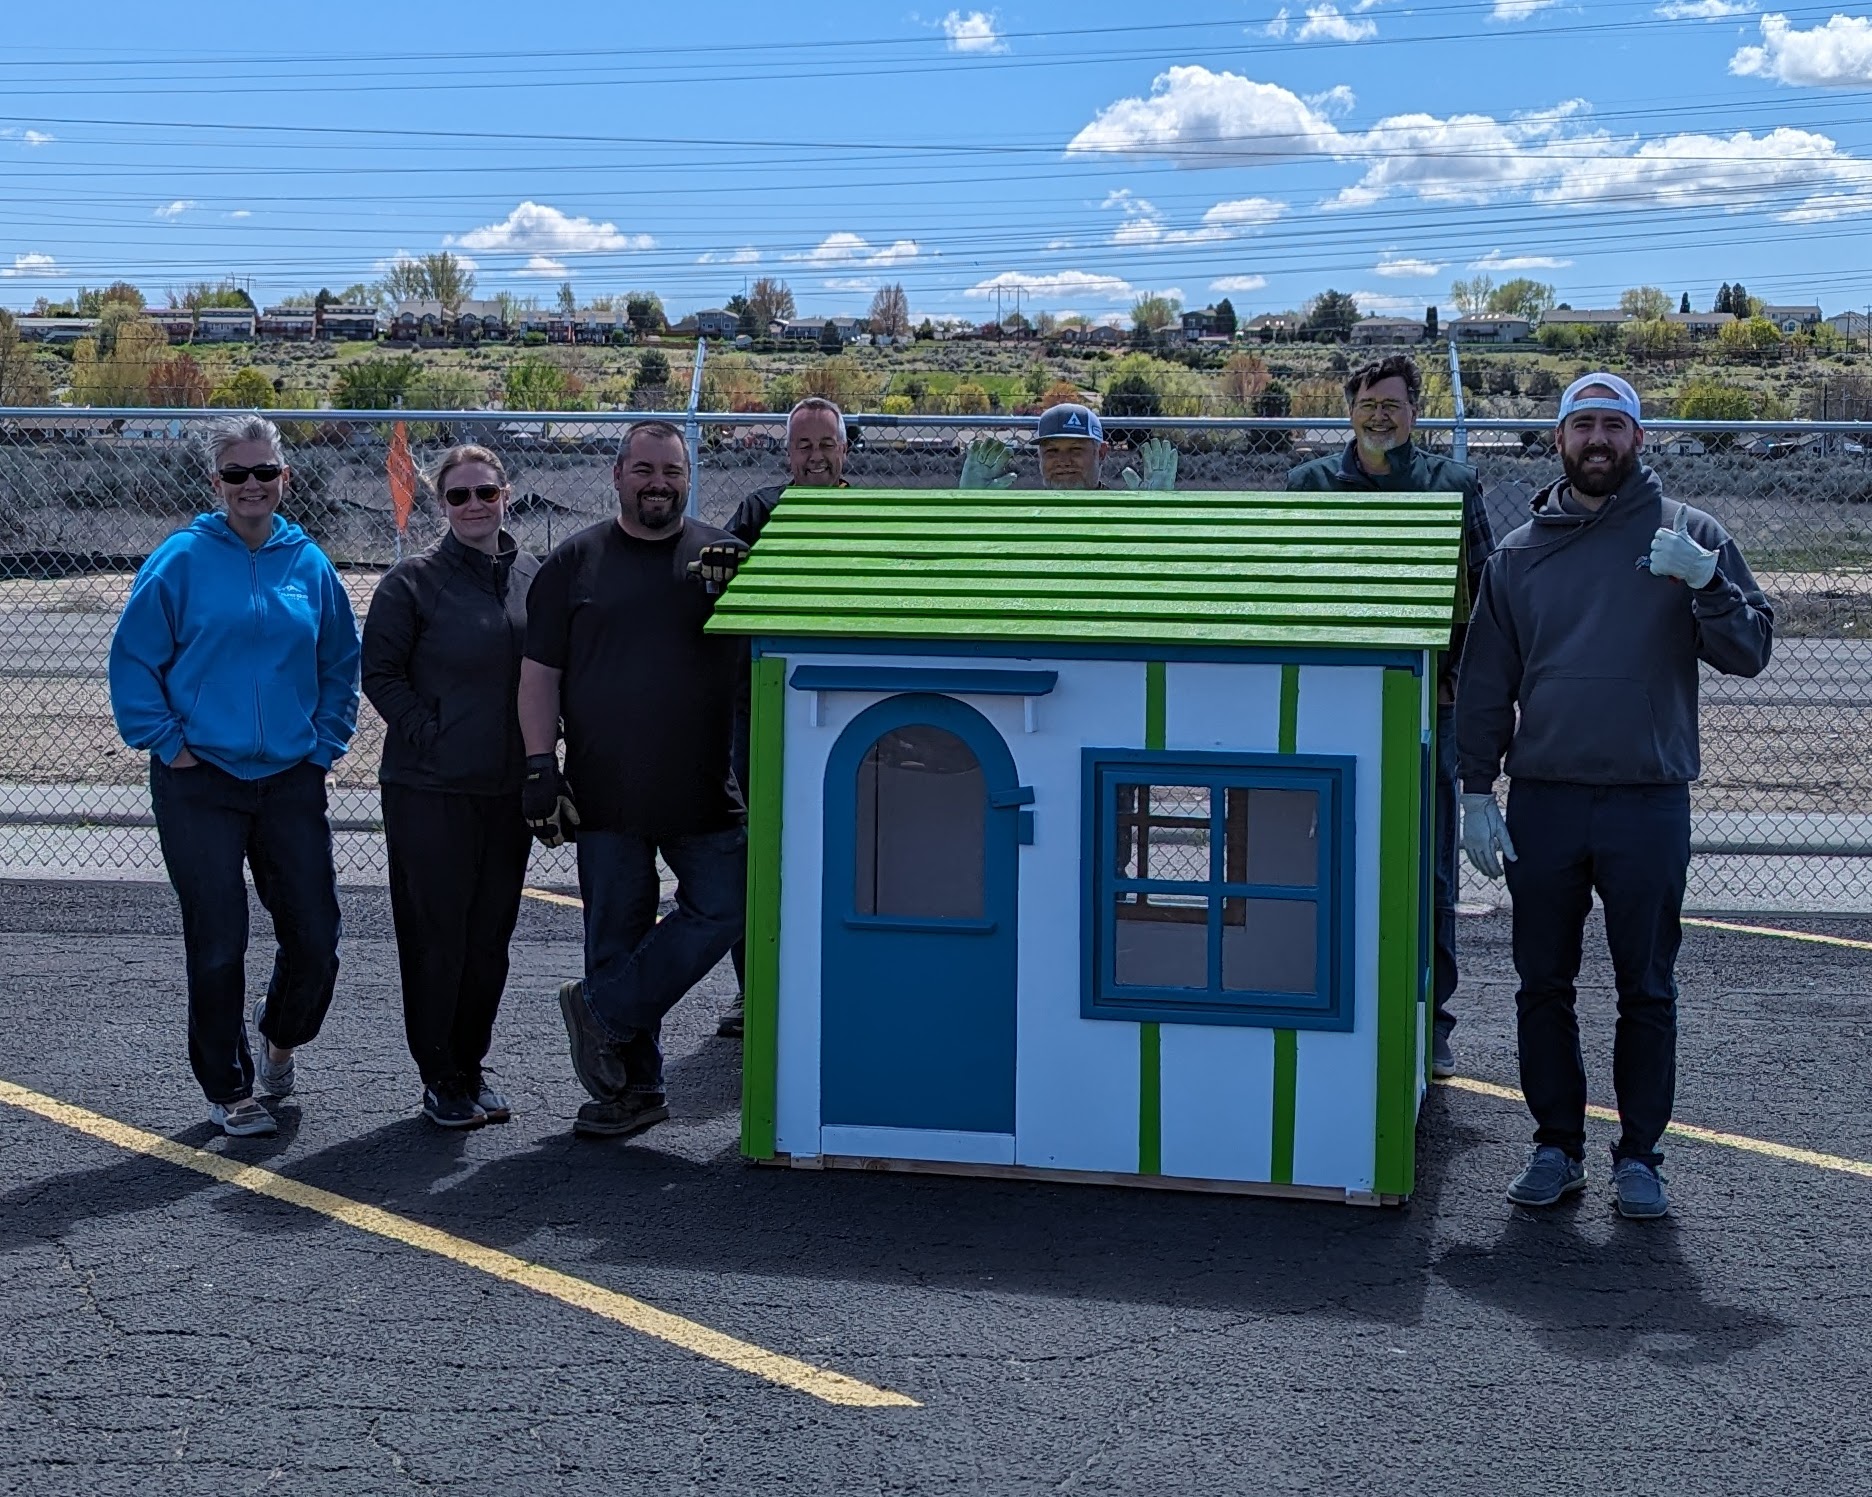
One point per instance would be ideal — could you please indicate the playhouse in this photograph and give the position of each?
(1089, 834)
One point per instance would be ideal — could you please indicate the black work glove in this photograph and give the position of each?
(547, 805)
(716, 564)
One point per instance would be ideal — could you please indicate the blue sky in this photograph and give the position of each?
(1247, 149)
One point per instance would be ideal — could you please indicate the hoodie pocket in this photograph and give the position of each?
(1594, 730)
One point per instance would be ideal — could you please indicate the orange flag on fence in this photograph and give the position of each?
(402, 478)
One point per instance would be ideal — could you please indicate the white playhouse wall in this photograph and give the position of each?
(1077, 1087)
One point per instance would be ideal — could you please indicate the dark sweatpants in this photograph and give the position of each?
(209, 823)
(457, 865)
(1631, 843)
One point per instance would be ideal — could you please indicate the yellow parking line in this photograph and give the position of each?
(743, 1356)
(1784, 935)
(1741, 1141)
(551, 898)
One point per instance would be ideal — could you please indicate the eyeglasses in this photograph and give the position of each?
(487, 493)
(265, 472)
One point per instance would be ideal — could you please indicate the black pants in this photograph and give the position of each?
(209, 823)
(457, 865)
(1631, 843)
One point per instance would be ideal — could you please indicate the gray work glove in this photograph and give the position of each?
(986, 466)
(716, 564)
(1485, 834)
(1675, 554)
(1160, 465)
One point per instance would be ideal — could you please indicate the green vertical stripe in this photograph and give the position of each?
(1286, 1041)
(1286, 1080)
(1150, 1038)
(760, 1049)
(1399, 822)
(1150, 1100)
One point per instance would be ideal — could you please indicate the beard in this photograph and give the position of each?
(658, 508)
(1597, 483)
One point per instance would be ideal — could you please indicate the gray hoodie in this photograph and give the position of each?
(1599, 655)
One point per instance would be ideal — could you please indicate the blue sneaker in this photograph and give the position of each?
(1639, 1191)
(1550, 1176)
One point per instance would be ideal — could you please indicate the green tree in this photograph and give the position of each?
(121, 293)
(1750, 336)
(898, 405)
(1472, 295)
(121, 375)
(1723, 301)
(1644, 302)
(1035, 378)
(653, 370)
(969, 399)
(1655, 338)
(1714, 400)
(246, 390)
(1244, 377)
(1522, 297)
(1683, 306)
(206, 295)
(375, 384)
(450, 281)
(1132, 393)
(771, 301)
(1226, 321)
(1330, 315)
(926, 331)
(445, 390)
(829, 340)
(1152, 313)
(22, 381)
(535, 383)
(568, 299)
(644, 309)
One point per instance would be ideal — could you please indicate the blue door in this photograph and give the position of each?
(923, 826)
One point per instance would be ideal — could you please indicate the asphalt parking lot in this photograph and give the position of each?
(166, 1331)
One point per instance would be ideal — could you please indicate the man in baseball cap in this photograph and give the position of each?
(1071, 439)
(1590, 623)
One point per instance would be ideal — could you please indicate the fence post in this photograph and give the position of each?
(1459, 438)
(692, 430)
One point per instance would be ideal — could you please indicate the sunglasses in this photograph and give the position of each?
(265, 472)
(487, 493)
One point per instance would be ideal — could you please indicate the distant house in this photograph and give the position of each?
(1701, 324)
(177, 323)
(1851, 324)
(1370, 332)
(1490, 327)
(1585, 317)
(418, 319)
(1203, 324)
(225, 325)
(713, 322)
(802, 330)
(476, 319)
(1793, 319)
(55, 329)
(287, 324)
(344, 323)
(1272, 327)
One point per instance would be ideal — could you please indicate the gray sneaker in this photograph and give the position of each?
(243, 1119)
(1639, 1191)
(275, 1080)
(599, 1068)
(1442, 1058)
(734, 1019)
(1550, 1176)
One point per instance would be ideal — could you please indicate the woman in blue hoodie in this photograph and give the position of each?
(235, 664)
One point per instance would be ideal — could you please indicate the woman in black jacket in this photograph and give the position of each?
(442, 647)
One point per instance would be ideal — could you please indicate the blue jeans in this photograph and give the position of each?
(1631, 843)
(1448, 834)
(637, 968)
(209, 822)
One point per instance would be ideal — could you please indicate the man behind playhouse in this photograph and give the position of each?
(1590, 620)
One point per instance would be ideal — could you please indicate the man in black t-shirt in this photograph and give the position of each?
(615, 650)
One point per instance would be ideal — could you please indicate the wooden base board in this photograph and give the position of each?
(1326, 1193)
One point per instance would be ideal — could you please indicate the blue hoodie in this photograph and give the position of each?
(249, 658)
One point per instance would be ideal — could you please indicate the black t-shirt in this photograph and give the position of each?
(647, 697)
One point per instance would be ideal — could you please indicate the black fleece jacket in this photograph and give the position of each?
(1600, 656)
(442, 647)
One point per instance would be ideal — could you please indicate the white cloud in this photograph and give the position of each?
(974, 32)
(1324, 23)
(545, 266)
(38, 138)
(1400, 267)
(746, 255)
(537, 229)
(1836, 55)
(1468, 158)
(1196, 117)
(1049, 284)
(1703, 10)
(1386, 303)
(1518, 10)
(241, 213)
(1143, 225)
(1496, 260)
(1339, 99)
(1737, 172)
(1055, 245)
(32, 265)
(175, 209)
(1238, 283)
(1277, 26)
(850, 283)
(845, 248)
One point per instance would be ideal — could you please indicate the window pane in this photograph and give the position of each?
(921, 827)
(1161, 941)
(1163, 832)
(1271, 837)
(1270, 945)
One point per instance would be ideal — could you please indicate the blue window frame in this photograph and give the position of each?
(1218, 888)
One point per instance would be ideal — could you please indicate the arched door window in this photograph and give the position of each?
(920, 827)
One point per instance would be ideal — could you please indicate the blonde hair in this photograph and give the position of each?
(467, 452)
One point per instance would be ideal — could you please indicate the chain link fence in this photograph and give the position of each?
(1783, 813)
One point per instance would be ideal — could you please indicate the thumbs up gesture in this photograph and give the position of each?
(1675, 554)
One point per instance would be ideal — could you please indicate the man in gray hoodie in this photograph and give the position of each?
(1591, 620)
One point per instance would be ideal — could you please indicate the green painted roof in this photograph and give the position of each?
(1375, 570)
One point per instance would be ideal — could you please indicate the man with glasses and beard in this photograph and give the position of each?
(615, 649)
(1591, 620)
